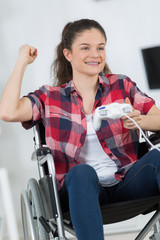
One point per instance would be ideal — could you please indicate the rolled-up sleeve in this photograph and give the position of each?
(37, 99)
(140, 101)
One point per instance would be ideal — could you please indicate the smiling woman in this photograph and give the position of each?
(90, 165)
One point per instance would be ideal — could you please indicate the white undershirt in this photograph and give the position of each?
(93, 154)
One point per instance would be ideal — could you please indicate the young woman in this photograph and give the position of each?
(92, 167)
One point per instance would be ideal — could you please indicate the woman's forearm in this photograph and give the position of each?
(12, 108)
(150, 122)
(11, 94)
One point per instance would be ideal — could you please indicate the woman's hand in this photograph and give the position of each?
(12, 107)
(27, 54)
(135, 115)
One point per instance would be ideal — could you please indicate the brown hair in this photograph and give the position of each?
(61, 68)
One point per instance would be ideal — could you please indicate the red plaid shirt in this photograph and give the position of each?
(61, 111)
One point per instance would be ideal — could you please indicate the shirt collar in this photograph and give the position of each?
(69, 88)
(103, 82)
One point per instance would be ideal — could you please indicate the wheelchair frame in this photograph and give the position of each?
(42, 217)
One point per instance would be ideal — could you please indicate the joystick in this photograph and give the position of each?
(111, 111)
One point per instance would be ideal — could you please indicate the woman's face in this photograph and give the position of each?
(87, 56)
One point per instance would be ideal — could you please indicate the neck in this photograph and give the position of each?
(86, 84)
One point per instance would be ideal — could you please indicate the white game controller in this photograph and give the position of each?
(111, 111)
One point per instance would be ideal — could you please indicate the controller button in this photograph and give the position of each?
(103, 112)
(102, 107)
(126, 109)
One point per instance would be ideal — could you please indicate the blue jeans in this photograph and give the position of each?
(82, 193)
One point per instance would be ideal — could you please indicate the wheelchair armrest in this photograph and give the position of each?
(155, 137)
(39, 153)
(144, 147)
(42, 151)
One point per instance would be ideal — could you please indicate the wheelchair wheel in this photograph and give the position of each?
(32, 210)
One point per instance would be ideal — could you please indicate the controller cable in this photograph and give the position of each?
(142, 132)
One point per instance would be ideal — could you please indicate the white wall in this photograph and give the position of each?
(130, 25)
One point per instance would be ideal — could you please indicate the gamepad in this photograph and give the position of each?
(111, 111)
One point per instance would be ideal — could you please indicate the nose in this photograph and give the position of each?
(94, 53)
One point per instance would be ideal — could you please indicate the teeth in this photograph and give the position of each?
(95, 63)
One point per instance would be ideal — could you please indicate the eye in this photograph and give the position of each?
(85, 48)
(101, 48)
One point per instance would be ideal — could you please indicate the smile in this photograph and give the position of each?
(92, 63)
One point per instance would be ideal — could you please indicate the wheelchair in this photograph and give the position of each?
(42, 217)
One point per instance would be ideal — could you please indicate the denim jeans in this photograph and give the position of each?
(82, 193)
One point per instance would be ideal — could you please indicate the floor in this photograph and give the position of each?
(125, 236)
(118, 236)
(122, 236)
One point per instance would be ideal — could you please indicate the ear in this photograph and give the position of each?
(67, 54)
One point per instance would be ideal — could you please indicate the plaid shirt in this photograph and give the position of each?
(61, 111)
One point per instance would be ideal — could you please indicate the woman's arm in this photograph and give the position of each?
(12, 108)
(149, 122)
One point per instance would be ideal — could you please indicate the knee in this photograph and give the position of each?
(154, 154)
(82, 174)
(83, 171)
(154, 157)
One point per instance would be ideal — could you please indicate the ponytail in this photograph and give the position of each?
(61, 67)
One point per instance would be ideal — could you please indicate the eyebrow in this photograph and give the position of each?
(89, 44)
